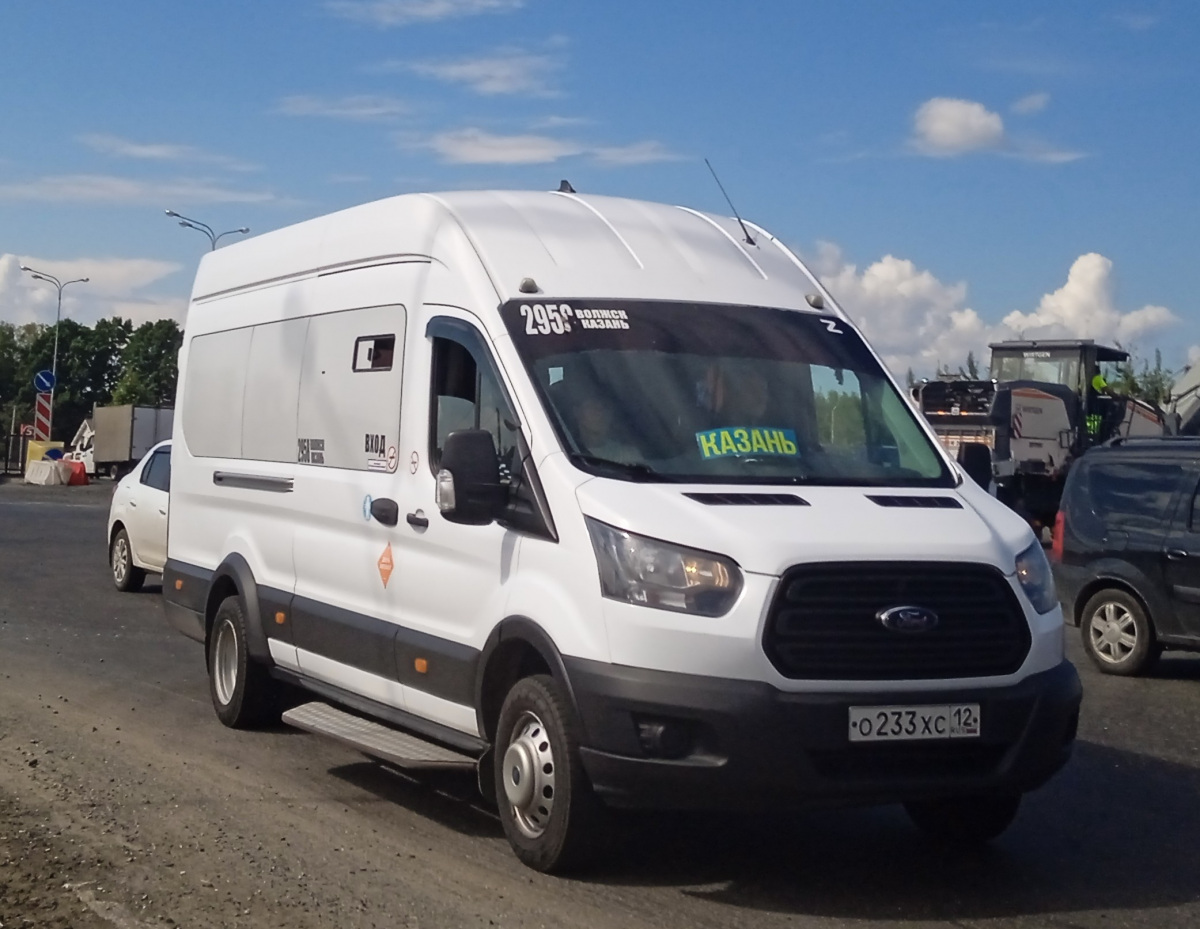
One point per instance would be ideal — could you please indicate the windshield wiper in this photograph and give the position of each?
(634, 471)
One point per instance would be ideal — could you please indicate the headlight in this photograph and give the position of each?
(1033, 571)
(647, 572)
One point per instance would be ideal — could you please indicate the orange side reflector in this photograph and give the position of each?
(280, 619)
(178, 585)
(421, 665)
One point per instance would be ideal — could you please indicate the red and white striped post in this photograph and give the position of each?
(42, 416)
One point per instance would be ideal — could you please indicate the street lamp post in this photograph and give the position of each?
(213, 237)
(59, 285)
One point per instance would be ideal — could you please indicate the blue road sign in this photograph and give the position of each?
(43, 381)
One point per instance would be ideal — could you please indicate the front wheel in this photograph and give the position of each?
(964, 821)
(243, 693)
(549, 812)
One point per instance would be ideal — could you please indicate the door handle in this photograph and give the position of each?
(386, 511)
(133, 503)
(1177, 554)
(418, 520)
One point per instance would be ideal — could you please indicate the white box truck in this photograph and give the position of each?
(604, 499)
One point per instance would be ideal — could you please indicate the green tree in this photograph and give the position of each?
(1136, 378)
(150, 365)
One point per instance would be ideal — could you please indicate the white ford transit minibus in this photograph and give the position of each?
(609, 501)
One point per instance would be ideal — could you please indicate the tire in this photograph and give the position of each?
(964, 821)
(244, 695)
(1117, 633)
(550, 814)
(127, 576)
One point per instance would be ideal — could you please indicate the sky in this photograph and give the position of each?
(955, 172)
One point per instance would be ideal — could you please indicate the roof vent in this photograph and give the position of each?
(816, 301)
(528, 286)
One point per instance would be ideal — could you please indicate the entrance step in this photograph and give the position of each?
(376, 739)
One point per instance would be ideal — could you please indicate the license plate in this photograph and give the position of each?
(907, 723)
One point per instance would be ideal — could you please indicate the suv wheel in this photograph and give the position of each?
(1117, 634)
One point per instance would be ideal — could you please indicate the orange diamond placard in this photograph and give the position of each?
(386, 565)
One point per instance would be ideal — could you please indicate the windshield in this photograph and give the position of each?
(707, 393)
(1047, 367)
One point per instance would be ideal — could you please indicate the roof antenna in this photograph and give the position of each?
(564, 187)
(745, 231)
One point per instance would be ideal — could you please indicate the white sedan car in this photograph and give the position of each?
(137, 520)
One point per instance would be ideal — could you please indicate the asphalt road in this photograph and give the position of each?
(123, 802)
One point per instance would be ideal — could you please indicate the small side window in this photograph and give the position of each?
(157, 473)
(374, 352)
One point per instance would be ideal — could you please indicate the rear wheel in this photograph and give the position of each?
(243, 692)
(549, 812)
(125, 574)
(964, 821)
(1117, 633)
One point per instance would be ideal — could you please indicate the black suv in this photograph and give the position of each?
(1127, 550)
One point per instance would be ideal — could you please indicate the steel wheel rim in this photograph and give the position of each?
(225, 663)
(120, 560)
(528, 775)
(1113, 633)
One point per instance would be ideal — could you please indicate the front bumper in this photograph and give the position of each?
(749, 745)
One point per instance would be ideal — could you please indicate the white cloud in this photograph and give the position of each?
(387, 13)
(639, 153)
(917, 321)
(1034, 150)
(1137, 22)
(944, 127)
(114, 288)
(559, 122)
(475, 146)
(362, 108)
(106, 188)
(509, 71)
(1031, 103)
(1085, 307)
(478, 146)
(158, 151)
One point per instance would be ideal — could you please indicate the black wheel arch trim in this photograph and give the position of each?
(520, 629)
(235, 568)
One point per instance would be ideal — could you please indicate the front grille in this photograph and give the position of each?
(823, 626)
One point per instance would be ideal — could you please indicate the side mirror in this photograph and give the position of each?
(468, 483)
(976, 460)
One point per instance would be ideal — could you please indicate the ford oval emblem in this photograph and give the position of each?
(908, 619)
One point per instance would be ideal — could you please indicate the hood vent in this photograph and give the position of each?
(748, 499)
(922, 503)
